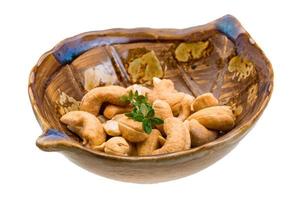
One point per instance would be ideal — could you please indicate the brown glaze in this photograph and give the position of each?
(104, 57)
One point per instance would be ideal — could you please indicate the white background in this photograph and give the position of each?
(265, 165)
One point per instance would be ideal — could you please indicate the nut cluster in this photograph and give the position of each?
(187, 121)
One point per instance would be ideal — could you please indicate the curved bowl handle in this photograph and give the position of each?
(54, 140)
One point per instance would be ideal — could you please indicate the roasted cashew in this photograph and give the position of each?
(199, 134)
(111, 110)
(161, 140)
(101, 118)
(163, 84)
(138, 88)
(117, 146)
(150, 144)
(203, 101)
(186, 107)
(176, 136)
(187, 135)
(132, 130)
(111, 127)
(164, 90)
(92, 101)
(179, 102)
(216, 118)
(86, 126)
(117, 117)
(101, 147)
(162, 109)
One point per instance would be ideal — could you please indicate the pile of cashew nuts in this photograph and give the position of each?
(188, 122)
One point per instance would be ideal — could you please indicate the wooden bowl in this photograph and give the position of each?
(232, 67)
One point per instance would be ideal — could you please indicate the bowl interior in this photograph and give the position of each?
(232, 67)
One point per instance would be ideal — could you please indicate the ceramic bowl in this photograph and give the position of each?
(232, 67)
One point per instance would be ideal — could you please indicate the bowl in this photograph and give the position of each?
(231, 66)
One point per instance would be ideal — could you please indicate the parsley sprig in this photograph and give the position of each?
(142, 111)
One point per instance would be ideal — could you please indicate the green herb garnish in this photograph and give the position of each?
(142, 111)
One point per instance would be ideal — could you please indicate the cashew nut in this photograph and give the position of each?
(150, 144)
(132, 130)
(111, 127)
(186, 107)
(163, 84)
(176, 136)
(187, 135)
(161, 140)
(164, 90)
(117, 146)
(199, 134)
(92, 101)
(162, 109)
(101, 147)
(111, 110)
(203, 101)
(101, 118)
(138, 88)
(117, 117)
(86, 126)
(216, 117)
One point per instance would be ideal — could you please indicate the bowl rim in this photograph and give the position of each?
(230, 137)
